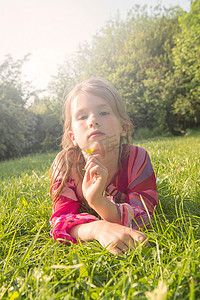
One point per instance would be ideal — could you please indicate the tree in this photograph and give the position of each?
(187, 67)
(11, 122)
(159, 85)
(146, 66)
(14, 94)
(49, 129)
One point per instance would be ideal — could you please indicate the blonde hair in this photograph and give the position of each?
(71, 154)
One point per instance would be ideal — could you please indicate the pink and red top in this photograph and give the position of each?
(133, 190)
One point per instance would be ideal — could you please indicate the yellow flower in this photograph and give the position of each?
(89, 151)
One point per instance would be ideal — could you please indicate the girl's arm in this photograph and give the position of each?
(141, 196)
(66, 214)
(107, 209)
(69, 225)
(93, 186)
(116, 238)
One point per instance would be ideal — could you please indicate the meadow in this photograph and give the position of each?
(33, 266)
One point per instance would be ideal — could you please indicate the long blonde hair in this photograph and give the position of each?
(61, 167)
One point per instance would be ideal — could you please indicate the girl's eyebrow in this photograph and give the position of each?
(80, 110)
(84, 109)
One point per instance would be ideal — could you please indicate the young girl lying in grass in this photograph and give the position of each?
(102, 187)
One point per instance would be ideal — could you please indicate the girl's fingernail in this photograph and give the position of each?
(141, 239)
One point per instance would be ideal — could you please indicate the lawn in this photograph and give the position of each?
(33, 266)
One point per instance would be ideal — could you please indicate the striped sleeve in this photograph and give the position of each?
(66, 214)
(141, 198)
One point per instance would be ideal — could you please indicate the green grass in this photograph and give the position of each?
(32, 266)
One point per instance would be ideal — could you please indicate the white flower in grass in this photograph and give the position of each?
(159, 293)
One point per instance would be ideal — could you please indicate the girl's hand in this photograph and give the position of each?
(94, 181)
(118, 239)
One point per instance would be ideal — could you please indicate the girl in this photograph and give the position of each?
(102, 188)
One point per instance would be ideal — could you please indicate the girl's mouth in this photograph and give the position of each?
(95, 133)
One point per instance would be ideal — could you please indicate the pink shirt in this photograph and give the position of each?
(133, 190)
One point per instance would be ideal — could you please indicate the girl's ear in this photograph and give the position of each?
(71, 135)
(124, 130)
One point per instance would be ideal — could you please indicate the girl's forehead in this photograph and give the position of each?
(86, 100)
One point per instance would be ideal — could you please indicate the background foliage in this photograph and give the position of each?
(153, 59)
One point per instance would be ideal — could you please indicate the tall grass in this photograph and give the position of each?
(32, 266)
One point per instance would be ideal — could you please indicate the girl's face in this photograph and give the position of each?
(94, 124)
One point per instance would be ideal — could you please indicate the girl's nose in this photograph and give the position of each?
(94, 123)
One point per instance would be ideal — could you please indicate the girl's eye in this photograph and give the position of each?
(104, 113)
(82, 117)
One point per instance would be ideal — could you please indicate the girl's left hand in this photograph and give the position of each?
(94, 181)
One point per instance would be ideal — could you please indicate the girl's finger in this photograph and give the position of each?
(138, 236)
(94, 160)
(129, 242)
(93, 172)
(116, 251)
(120, 248)
(87, 175)
(90, 171)
(92, 167)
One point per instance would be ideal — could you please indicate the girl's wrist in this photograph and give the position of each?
(98, 202)
(95, 229)
(108, 210)
(87, 231)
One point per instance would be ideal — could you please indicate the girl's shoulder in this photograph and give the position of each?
(131, 151)
(132, 157)
(136, 150)
(135, 159)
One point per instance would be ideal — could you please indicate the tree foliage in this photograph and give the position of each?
(136, 56)
(187, 66)
(11, 109)
(24, 129)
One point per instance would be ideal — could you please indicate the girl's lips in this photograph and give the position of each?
(95, 134)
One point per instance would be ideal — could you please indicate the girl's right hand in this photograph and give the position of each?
(94, 180)
(117, 238)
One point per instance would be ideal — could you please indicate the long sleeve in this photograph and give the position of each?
(66, 214)
(141, 191)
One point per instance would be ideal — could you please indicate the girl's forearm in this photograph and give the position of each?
(115, 237)
(107, 210)
(86, 232)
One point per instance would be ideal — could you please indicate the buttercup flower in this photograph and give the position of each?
(89, 151)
